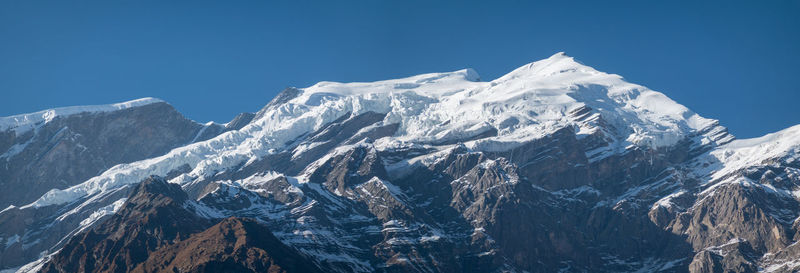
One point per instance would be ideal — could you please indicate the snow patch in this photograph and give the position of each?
(101, 212)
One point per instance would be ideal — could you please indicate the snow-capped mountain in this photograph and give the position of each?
(554, 166)
(61, 147)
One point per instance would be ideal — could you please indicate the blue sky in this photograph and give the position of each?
(734, 61)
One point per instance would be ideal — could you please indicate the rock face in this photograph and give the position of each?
(555, 167)
(154, 216)
(157, 231)
(233, 245)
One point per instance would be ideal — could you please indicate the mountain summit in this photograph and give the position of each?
(554, 166)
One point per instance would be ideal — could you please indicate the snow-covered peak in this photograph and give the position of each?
(25, 122)
(556, 64)
(431, 84)
(529, 102)
(646, 117)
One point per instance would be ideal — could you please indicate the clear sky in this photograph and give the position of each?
(734, 61)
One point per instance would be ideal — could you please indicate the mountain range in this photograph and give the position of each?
(553, 167)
